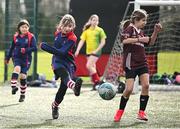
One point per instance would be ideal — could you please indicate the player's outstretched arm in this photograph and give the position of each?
(81, 43)
(52, 50)
(157, 29)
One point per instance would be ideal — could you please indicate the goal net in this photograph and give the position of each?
(163, 57)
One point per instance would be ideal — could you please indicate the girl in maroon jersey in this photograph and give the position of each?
(134, 60)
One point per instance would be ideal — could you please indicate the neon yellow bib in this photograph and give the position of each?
(92, 37)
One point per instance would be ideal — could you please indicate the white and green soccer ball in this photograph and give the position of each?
(107, 91)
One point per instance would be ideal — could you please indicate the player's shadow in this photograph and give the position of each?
(119, 125)
(84, 91)
(46, 123)
(9, 105)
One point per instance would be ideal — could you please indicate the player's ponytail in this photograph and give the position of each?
(125, 24)
(88, 24)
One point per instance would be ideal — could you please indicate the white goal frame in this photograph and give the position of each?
(139, 3)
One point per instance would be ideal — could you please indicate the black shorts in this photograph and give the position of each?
(93, 55)
(134, 72)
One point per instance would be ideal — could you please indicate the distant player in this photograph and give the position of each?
(135, 62)
(94, 36)
(23, 44)
(63, 60)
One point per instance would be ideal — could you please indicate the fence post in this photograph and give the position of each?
(35, 33)
(6, 37)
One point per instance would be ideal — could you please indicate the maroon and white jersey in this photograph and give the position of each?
(134, 54)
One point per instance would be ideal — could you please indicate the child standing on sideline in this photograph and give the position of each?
(63, 60)
(23, 44)
(135, 62)
(94, 36)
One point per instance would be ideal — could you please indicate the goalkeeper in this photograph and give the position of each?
(135, 62)
(63, 60)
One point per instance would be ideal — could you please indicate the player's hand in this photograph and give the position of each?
(6, 61)
(157, 27)
(40, 45)
(144, 39)
(76, 53)
(23, 50)
(93, 52)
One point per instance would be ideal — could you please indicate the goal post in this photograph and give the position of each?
(167, 40)
(139, 3)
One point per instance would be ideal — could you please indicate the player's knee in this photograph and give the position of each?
(17, 69)
(145, 87)
(23, 76)
(88, 66)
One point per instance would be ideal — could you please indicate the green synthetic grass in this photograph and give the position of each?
(44, 65)
(168, 62)
(1, 66)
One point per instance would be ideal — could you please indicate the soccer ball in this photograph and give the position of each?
(107, 91)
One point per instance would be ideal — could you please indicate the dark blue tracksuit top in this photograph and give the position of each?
(64, 54)
(28, 42)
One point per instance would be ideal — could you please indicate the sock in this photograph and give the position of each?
(14, 78)
(23, 86)
(95, 78)
(55, 104)
(143, 102)
(71, 84)
(123, 102)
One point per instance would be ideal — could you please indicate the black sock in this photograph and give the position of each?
(143, 102)
(14, 76)
(123, 102)
(61, 93)
(14, 79)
